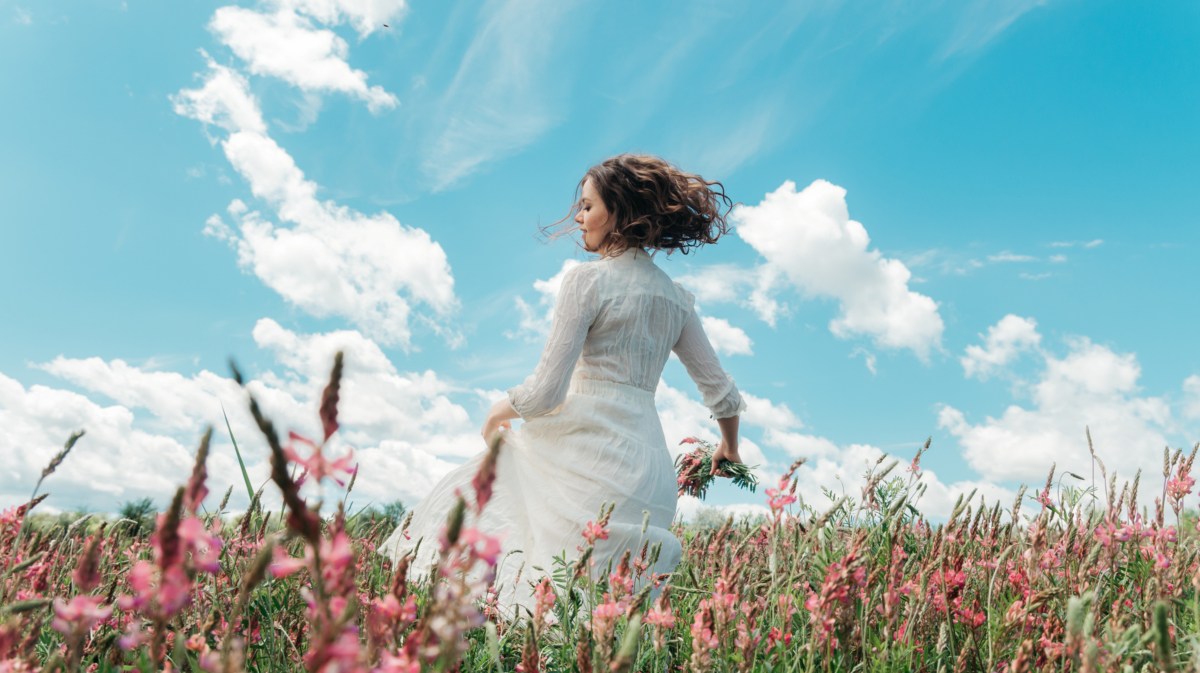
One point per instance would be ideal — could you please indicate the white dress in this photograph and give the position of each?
(591, 433)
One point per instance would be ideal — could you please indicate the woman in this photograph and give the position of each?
(591, 434)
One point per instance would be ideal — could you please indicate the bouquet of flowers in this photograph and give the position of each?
(695, 470)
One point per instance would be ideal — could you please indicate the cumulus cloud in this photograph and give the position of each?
(287, 45)
(333, 261)
(1090, 387)
(726, 338)
(367, 16)
(755, 288)
(405, 427)
(810, 240)
(1191, 397)
(1005, 340)
(224, 100)
(690, 509)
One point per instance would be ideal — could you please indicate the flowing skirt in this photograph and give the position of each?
(604, 444)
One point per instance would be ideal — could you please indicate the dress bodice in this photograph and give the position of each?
(618, 319)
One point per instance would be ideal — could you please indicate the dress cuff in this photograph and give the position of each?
(732, 404)
(514, 395)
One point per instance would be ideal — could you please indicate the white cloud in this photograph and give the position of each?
(730, 283)
(224, 100)
(112, 463)
(498, 102)
(404, 426)
(22, 16)
(1007, 256)
(334, 261)
(1091, 387)
(367, 16)
(809, 238)
(726, 338)
(690, 509)
(1005, 340)
(868, 359)
(286, 45)
(1191, 399)
(1093, 243)
(536, 320)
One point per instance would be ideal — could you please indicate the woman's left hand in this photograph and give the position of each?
(499, 418)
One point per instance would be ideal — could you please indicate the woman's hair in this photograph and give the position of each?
(655, 205)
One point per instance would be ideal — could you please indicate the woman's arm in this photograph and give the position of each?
(500, 416)
(728, 448)
(716, 387)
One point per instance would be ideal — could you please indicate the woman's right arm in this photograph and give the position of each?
(717, 389)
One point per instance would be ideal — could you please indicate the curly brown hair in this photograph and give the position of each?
(655, 205)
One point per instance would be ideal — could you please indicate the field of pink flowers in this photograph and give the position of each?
(1085, 582)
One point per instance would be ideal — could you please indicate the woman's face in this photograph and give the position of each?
(593, 218)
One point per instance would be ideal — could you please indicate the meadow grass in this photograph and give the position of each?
(1065, 579)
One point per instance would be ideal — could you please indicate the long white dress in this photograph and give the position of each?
(591, 433)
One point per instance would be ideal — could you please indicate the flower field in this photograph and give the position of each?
(1084, 581)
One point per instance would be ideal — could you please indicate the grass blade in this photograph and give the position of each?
(238, 453)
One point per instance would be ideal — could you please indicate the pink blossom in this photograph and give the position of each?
(1180, 485)
(480, 545)
(317, 465)
(283, 563)
(81, 613)
(544, 598)
(661, 616)
(593, 531)
(778, 498)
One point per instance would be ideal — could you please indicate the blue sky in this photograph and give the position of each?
(975, 222)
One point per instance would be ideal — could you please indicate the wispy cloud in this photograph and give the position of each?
(1007, 256)
(979, 22)
(504, 95)
(22, 16)
(1094, 243)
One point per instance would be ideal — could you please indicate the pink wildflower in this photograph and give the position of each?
(544, 598)
(317, 465)
(781, 497)
(81, 613)
(593, 531)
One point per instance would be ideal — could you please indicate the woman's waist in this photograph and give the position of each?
(583, 385)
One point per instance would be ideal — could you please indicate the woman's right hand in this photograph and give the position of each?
(724, 452)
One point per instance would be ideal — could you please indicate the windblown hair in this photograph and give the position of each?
(655, 205)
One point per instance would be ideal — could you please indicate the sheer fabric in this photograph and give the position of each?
(591, 433)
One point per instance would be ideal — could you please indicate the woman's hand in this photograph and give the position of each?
(724, 452)
(499, 418)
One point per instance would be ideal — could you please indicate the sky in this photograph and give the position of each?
(970, 222)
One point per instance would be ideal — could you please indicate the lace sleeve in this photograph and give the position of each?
(576, 308)
(716, 387)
